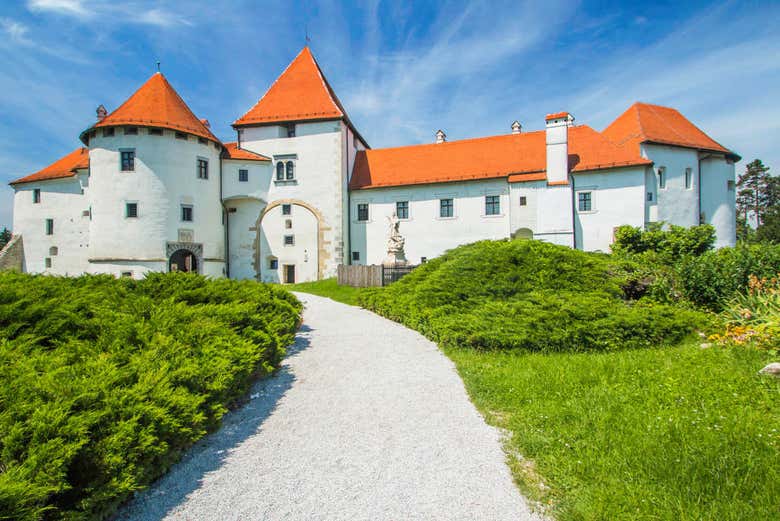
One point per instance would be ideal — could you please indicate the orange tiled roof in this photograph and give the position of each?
(643, 122)
(557, 115)
(520, 157)
(233, 152)
(156, 104)
(65, 166)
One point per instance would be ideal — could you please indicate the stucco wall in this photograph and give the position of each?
(61, 200)
(426, 233)
(303, 253)
(676, 204)
(165, 177)
(718, 198)
(617, 197)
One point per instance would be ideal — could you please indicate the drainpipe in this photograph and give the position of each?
(227, 223)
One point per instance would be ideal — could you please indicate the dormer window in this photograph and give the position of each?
(291, 130)
(131, 131)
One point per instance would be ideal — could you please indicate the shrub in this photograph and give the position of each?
(673, 243)
(753, 318)
(527, 295)
(105, 382)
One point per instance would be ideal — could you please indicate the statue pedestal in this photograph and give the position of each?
(395, 259)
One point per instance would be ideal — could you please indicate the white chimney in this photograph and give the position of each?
(101, 113)
(516, 127)
(558, 146)
(441, 137)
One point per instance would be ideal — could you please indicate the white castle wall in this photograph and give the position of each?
(63, 201)
(718, 198)
(676, 204)
(165, 177)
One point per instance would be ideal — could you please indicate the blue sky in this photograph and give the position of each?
(402, 69)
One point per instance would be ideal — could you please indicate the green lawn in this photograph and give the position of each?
(327, 288)
(677, 433)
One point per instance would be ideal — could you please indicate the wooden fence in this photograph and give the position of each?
(368, 276)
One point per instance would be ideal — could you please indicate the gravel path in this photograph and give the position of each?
(366, 420)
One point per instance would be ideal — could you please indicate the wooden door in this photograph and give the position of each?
(289, 273)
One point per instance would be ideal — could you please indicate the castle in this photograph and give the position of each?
(300, 191)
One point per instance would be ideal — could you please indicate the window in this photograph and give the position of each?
(662, 177)
(445, 208)
(286, 209)
(53, 251)
(131, 131)
(127, 160)
(37, 195)
(203, 141)
(288, 223)
(362, 212)
(523, 200)
(584, 203)
(402, 209)
(650, 197)
(291, 130)
(243, 176)
(186, 212)
(423, 260)
(280, 171)
(49, 226)
(181, 135)
(730, 185)
(108, 132)
(289, 240)
(127, 275)
(290, 170)
(131, 210)
(355, 255)
(688, 178)
(273, 264)
(203, 169)
(155, 132)
(47, 262)
(492, 205)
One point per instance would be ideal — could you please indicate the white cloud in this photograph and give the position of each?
(76, 8)
(16, 31)
(114, 13)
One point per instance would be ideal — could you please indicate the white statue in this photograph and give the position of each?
(395, 243)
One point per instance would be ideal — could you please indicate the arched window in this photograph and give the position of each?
(290, 170)
(280, 171)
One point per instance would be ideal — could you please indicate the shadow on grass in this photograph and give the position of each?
(209, 454)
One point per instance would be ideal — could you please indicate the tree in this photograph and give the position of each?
(5, 237)
(755, 191)
(769, 231)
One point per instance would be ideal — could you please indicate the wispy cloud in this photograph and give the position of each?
(109, 12)
(67, 7)
(15, 31)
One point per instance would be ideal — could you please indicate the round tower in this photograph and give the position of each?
(154, 187)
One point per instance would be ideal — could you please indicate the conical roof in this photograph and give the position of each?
(301, 93)
(157, 104)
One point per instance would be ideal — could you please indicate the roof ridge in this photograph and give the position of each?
(465, 140)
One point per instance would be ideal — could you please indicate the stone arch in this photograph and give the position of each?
(322, 253)
(195, 249)
(523, 233)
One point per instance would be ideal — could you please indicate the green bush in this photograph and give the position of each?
(104, 382)
(673, 243)
(527, 295)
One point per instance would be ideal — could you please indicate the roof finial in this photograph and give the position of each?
(308, 40)
(158, 66)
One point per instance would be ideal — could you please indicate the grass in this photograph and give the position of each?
(327, 288)
(676, 433)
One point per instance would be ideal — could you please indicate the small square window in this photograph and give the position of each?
(127, 275)
(186, 212)
(423, 260)
(36, 195)
(203, 169)
(203, 141)
(47, 262)
(155, 132)
(286, 209)
(243, 176)
(181, 135)
(446, 208)
(291, 130)
(402, 209)
(49, 226)
(650, 197)
(523, 200)
(108, 132)
(127, 160)
(232, 210)
(289, 240)
(584, 202)
(730, 185)
(273, 264)
(54, 251)
(492, 205)
(355, 255)
(688, 178)
(288, 223)
(131, 131)
(362, 212)
(131, 210)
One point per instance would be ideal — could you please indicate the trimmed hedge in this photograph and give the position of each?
(528, 295)
(105, 382)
